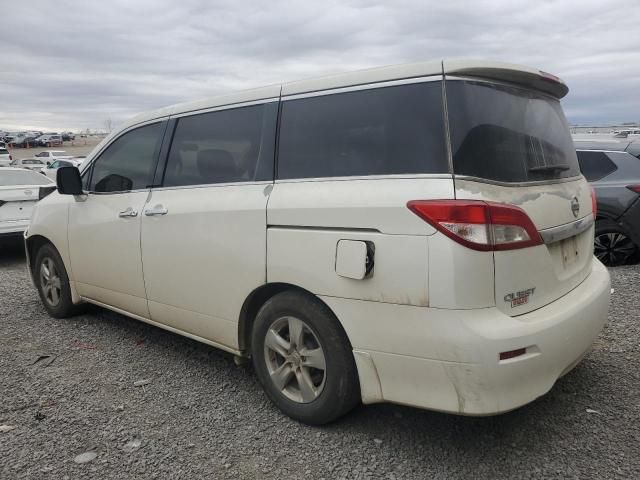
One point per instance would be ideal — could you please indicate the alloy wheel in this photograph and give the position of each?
(50, 282)
(613, 248)
(295, 359)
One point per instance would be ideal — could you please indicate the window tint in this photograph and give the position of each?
(634, 149)
(595, 165)
(508, 134)
(128, 163)
(391, 130)
(233, 145)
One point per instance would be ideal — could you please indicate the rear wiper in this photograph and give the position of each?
(561, 167)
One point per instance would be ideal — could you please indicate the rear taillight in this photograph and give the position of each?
(634, 188)
(594, 202)
(479, 225)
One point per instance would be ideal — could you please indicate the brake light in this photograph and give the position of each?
(594, 202)
(479, 225)
(634, 188)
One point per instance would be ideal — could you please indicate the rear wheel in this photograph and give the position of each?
(303, 359)
(612, 245)
(53, 282)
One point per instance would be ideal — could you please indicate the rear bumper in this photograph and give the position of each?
(448, 360)
(14, 227)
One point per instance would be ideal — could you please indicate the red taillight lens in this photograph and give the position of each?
(594, 202)
(634, 188)
(479, 225)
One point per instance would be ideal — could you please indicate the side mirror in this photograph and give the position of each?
(69, 181)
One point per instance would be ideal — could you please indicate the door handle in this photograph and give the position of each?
(157, 210)
(128, 212)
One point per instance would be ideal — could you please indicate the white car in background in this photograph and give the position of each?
(34, 164)
(5, 157)
(50, 155)
(50, 170)
(19, 192)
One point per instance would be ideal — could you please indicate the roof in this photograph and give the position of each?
(602, 145)
(507, 72)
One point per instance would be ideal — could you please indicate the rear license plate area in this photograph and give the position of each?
(570, 251)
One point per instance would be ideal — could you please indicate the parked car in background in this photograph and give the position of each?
(34, 164)
(50, 155)
(615, 177)
(19, 192)
(611, 145)
(340, 255)
(49, 140)
(24, 142)
(5, 157)
(68, 136)
(51, 169)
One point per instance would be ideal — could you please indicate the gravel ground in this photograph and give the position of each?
(200, 416)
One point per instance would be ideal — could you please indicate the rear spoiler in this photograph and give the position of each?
(525, 76)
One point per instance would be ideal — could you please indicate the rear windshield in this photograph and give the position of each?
(22, 177)
(3, 151)
(508, 134)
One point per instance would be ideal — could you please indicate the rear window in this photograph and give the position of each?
(595, 165)
(4, 151)
(22, 177)
(634, 149)
(508, 134)
(381, 131)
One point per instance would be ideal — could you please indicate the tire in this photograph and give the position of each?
(304, 391)
(52, 282)
(612, 244)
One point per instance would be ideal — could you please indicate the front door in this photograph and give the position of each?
(104, 225)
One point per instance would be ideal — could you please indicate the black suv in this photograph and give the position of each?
(615, 176)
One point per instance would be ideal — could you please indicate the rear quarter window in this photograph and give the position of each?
(595, 165)
(379, 131)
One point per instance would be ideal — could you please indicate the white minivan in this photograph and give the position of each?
(418, 234)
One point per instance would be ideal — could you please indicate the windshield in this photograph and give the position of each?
(508, 134)
(22, 177)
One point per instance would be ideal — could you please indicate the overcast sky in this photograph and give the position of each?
(73, 64)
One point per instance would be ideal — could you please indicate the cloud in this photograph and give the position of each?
(71, 64)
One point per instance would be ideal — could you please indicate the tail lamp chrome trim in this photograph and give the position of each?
(561, 232)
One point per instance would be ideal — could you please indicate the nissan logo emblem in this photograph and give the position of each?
(575, 206)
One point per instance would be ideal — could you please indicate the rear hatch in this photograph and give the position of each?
(16, 203)
(511, 145)
(19, 192)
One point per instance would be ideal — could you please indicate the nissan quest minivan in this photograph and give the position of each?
(418, 234)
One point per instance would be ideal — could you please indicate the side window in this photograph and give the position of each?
(129, 162)
(381, 131)
(595, 165)
(234, 145)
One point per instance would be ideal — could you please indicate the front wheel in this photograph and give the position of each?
(52, 282)
(303, 359)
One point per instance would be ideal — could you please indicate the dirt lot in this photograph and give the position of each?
(69, 388)
(80, 146)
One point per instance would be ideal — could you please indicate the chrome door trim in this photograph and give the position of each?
(561, 232)
(365, 86)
